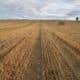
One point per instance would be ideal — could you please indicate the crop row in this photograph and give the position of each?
(56, 66)
(15, 63)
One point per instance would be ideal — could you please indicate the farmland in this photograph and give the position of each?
(39, 50)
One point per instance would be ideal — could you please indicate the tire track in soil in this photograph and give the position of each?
(34, 68)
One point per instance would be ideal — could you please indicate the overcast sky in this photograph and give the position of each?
(35, 9)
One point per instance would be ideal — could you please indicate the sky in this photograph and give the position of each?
(39, 9)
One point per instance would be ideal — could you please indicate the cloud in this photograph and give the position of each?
(60, 8)
(19, 8)
(54, 9)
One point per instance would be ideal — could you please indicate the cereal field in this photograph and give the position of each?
(39, 50)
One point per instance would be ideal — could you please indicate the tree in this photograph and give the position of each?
(77, 18)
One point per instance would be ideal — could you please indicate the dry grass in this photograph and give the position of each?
(52, 47)
(16, 49)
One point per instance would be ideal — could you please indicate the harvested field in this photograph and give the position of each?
(39, 50)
